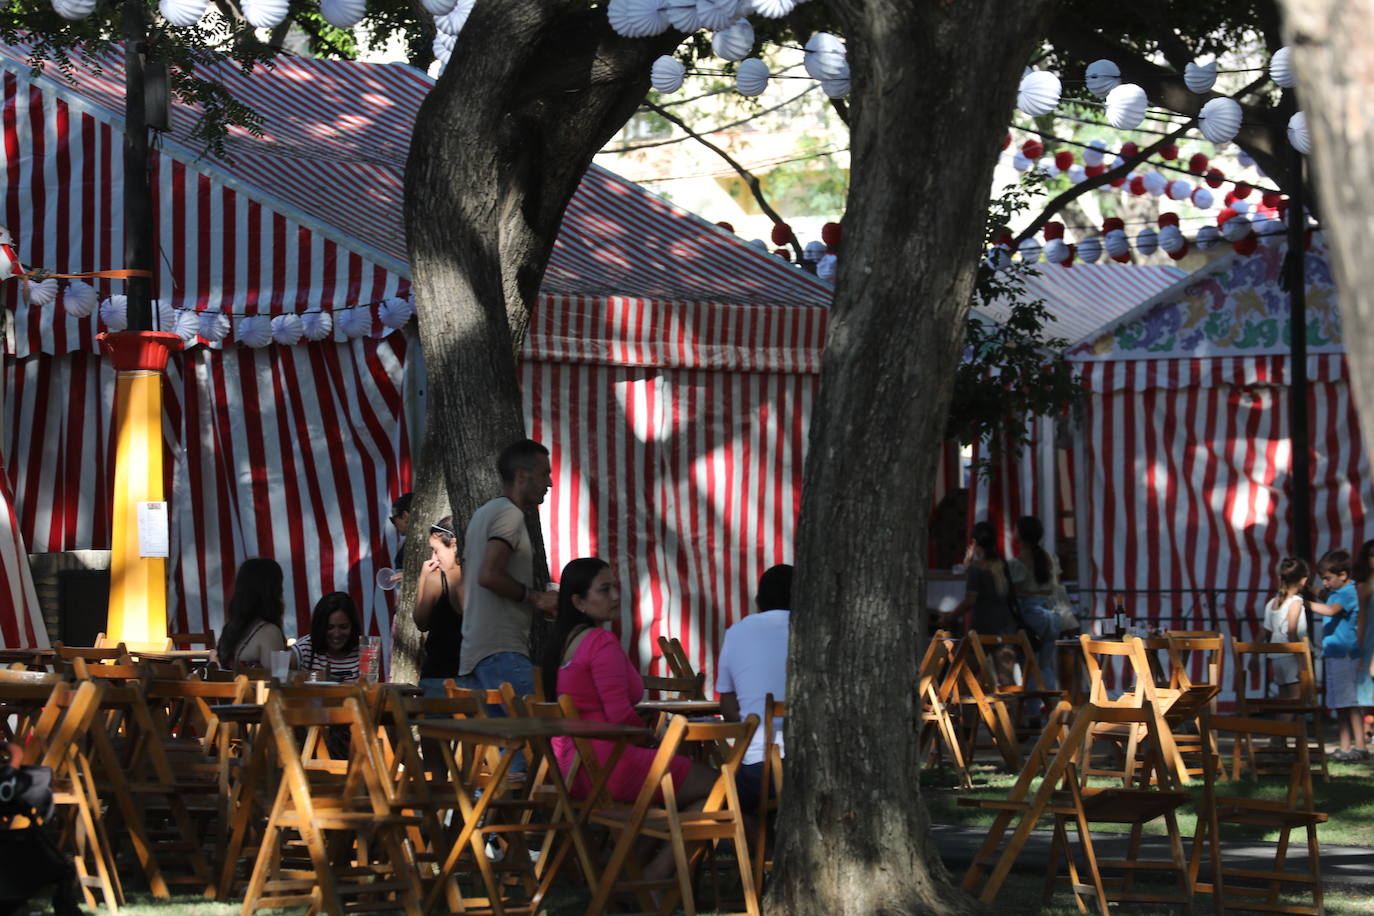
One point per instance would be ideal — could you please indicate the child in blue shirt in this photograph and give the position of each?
(1341, 652)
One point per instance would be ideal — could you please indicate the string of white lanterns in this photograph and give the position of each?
(80, 300)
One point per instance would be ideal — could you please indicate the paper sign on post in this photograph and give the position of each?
(152, 530)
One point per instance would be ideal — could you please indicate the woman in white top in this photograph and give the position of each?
(1034, 574)
(1285, 620)
(331, 646)
(253, 619)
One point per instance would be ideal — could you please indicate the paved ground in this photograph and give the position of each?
(1342, 866)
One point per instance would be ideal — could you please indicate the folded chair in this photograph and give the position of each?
(1031, 693)
(1277, 757)
(938, 736)
(354, 837)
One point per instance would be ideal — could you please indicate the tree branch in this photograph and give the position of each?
(661, 109)
(749, 177)
(1107, 177)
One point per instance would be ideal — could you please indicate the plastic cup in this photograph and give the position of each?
(388, 578)
(279, 664)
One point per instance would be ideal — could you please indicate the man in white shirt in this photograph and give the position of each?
(753, 664)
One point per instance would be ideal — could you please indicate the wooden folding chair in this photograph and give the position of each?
(354, 837)
(936, 721)
(57, 738)
(97, 653)
(962, 689)
(770, 786)
(1277, 757)
(189, 641)
(687, 688)
(689, 832)
(1250, 888)
(1018, 697)
(1064, 795)
(676, 657)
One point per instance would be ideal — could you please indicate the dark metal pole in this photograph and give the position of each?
(138, 197)
(1300, 516)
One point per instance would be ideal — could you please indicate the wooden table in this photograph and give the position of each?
(26, 656)
(681, 707)
(512, 734)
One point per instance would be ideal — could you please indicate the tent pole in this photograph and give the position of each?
(1295, 278)
(138, 203)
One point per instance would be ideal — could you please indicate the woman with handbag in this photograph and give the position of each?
(1034, 574)
(988, 597)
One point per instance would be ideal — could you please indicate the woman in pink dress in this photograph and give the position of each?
(584, 660)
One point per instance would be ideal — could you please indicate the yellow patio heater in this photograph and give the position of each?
(141, 524)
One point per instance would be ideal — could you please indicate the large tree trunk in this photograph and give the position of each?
(934, 85)
(1333, 46)
(532, 91)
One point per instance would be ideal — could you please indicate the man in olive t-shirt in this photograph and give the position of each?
(501, 599)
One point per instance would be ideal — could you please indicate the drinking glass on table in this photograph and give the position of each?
(370, 659)
(279, 664)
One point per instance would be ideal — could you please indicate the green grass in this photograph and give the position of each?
(1347, 798)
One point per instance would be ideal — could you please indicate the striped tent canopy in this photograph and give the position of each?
(669, 366)
(1087, 297)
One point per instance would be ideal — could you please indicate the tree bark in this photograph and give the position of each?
(532, 91)
(1333, 50)
(933, 83)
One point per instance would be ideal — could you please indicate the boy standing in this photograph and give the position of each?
(1341, 652)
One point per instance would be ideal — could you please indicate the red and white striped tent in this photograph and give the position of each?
(669, 367)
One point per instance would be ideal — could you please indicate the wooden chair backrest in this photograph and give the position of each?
(204, 640)
(1301, 650)
(1300, 796)
(74, 713)
(1184, 646)
(1031, 676)
(1136, 668)
(91, 653)
(486, 697)
(676, 657)
(688, 688)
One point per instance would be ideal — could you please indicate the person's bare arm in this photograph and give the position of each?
(1295, 611)
(493, 576)
(729, 707)
(427, 596)
(1325, 610)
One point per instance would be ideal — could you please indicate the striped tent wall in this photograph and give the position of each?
(1188, 468)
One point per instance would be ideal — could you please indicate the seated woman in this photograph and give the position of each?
(252, 625)
(584, 660)
(331, 645)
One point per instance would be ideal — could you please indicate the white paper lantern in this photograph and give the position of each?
(1077, 174)
(758, 244)
(443, 48)
(74, 9)
(437, 8)
(41, 294)
(667, 74)
(1179, 190)
(638, 18)
(1208, 237)
(1281, 68)
(826, 267)
(1202, 198)
(287, 329)
(752, 77)
(814, 250)
(1038, 94)
(114, 313)
(1244, 158)
(182, 13)
(1020, 161)
(80, 299)
(254, 331)
(682, 15)
(317, 325)
(452, 22)
(1116, 243)
(1236, 228)
(1057, 252)
(1297, 133)
(1047, 167)
(1219, 120)
(166, 317)
(1029, 250)
(1093, 154)
(186, 325)
(1102, 77)
(343, 14)
(1200, 78)
(394, 313)
(825, 57)
(773, 9)
(1155, 183)
(214, 326)
(998, 257)
(717, 14)
(354, 322)
(1126, 106)
(264, 14)
(1271, 232)
(1090, 250)
(836, 88)
(1147, 241)
(1240, 206)
(734, 43)
(1171, 239)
